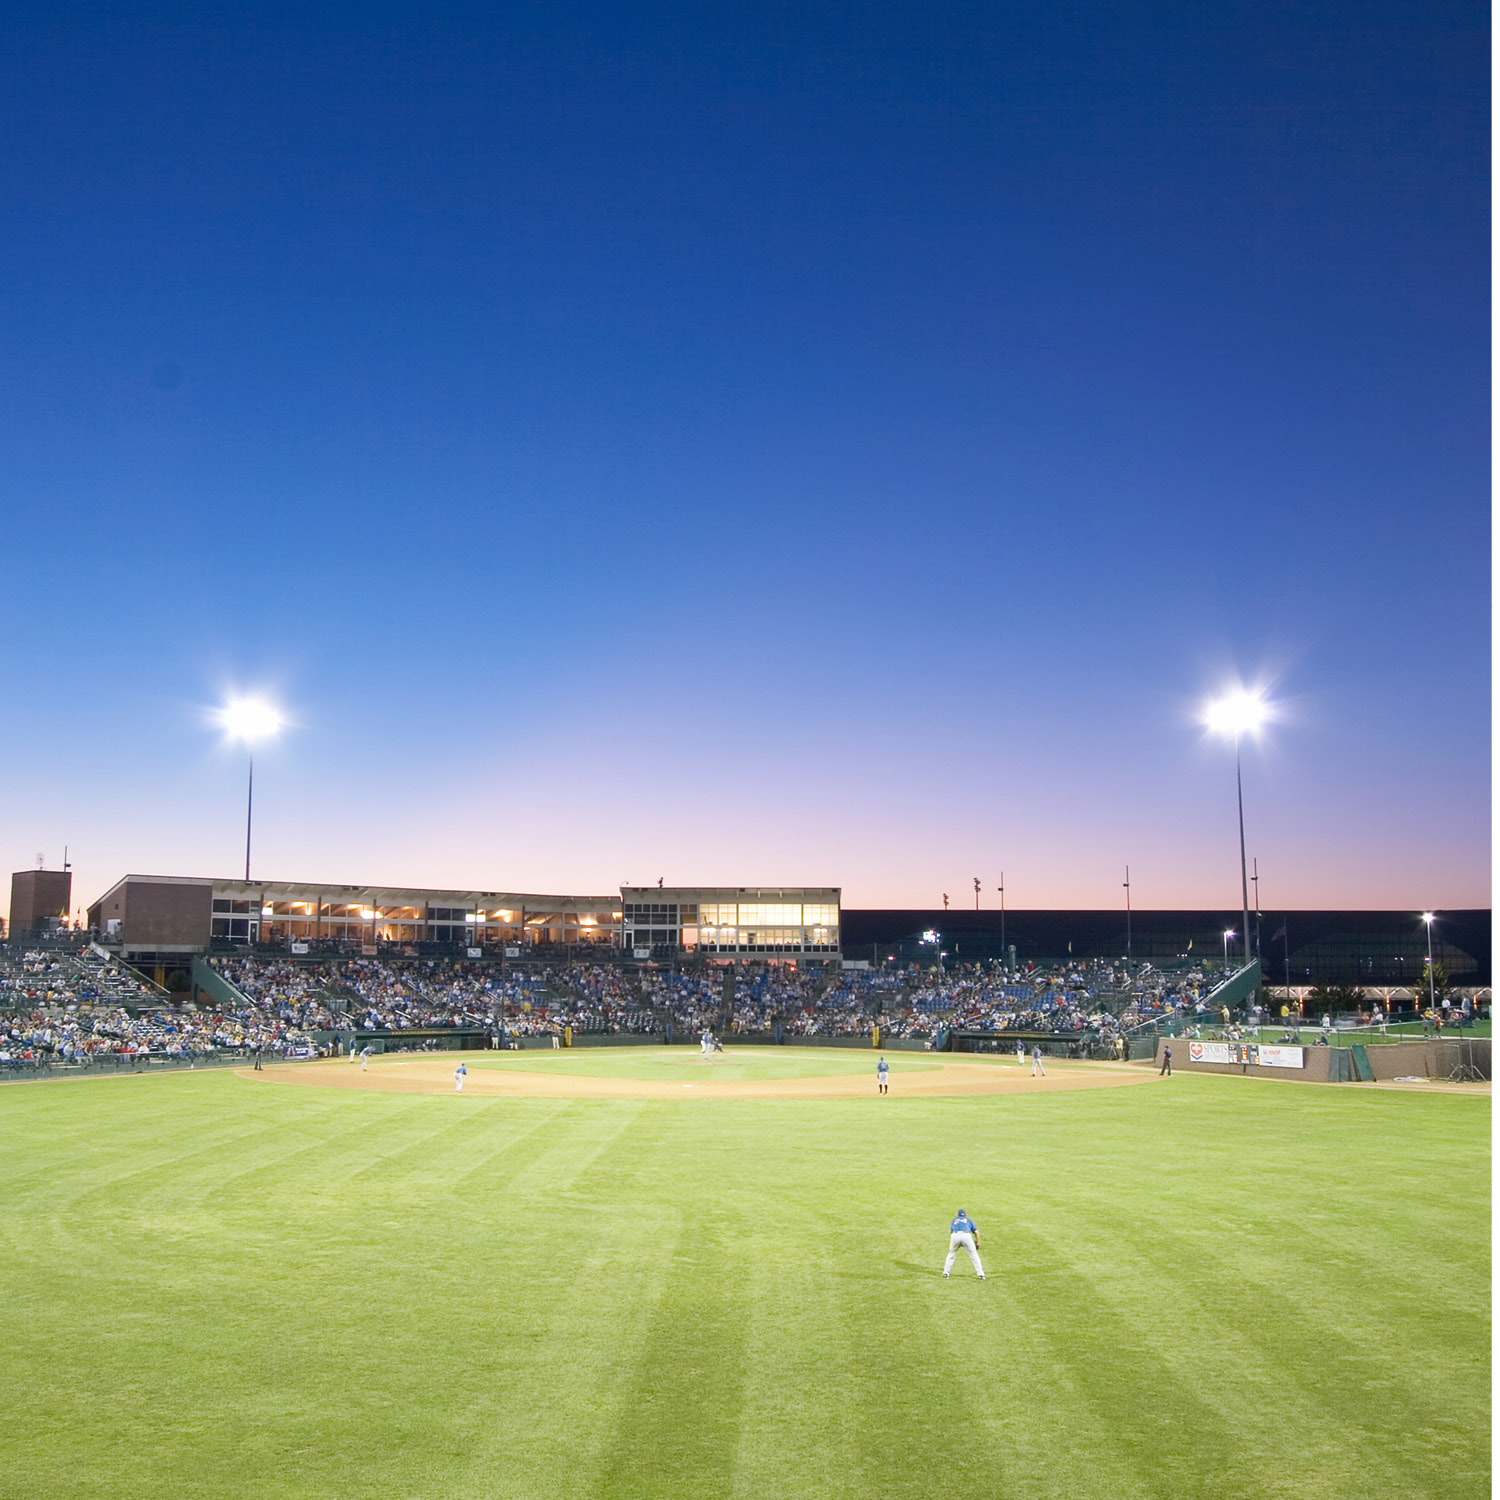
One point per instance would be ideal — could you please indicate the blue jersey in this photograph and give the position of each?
(882, 1066)
(963, 1224)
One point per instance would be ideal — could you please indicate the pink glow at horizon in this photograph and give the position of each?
(1053, 810)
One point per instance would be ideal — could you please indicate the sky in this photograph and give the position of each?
(774, 444)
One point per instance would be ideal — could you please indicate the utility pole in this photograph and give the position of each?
(1255, 881)
(1127, 916)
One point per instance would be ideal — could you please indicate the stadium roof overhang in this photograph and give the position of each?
(379, 896)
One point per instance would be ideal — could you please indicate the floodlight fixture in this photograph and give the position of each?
(1239, 711)
(250, 719)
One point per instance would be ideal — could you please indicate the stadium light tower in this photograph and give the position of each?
(1429, 917)
(1236, 714)
(248, 720)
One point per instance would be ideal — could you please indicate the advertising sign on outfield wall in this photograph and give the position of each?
(1213, 1052)
(1245, 1052)
(1281, 1057)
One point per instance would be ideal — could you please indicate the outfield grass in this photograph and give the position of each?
(1209, 1286)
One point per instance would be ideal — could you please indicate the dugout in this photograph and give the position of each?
(1003, 1043)
(434, 1039)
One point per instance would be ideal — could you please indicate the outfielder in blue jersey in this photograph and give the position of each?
(963, 1233)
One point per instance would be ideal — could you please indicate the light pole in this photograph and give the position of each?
(1428, 918)
(1235, 714)
(249, 719)
(1127, 917)
(1228, 933)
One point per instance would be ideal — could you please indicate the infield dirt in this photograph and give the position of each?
(940, 1076)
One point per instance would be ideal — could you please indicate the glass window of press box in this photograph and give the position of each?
(770, 927)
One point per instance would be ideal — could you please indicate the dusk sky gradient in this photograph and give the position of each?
(766, 444)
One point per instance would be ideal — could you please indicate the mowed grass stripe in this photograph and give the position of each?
(802, 1417)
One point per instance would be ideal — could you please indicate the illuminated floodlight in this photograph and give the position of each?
(929, 936)
(249, 719)
(1236, 713)
(1239, 712)
(1428, 918)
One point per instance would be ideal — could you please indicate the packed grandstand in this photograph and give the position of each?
(74, 1005)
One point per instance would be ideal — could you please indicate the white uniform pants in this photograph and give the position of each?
(1036, 1066)
(966, 1240)
(458, 1084)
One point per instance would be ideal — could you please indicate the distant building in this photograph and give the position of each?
(155, 915)
(158, 916)
(39, 900)
(742, 923)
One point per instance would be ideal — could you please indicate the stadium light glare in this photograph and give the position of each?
(249, 719)
(1237, 712)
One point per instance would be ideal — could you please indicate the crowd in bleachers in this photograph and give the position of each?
(67, 1005)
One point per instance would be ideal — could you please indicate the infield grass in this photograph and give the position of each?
(671, 1064)
(1210, 1286)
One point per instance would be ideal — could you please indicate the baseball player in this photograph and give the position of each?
(1036, 1061)
(963, 1231)
(1020, 1054)
(459, 1074)
(364, 1057)
(883, 1075)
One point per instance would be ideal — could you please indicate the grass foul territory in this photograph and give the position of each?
(219, 1285)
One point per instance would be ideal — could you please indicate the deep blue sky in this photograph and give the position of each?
(767, 444)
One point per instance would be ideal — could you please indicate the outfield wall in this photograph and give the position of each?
(1417, 1059)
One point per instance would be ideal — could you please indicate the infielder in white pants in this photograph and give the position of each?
(963, 1232)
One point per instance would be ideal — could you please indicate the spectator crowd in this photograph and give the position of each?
(77, 1006)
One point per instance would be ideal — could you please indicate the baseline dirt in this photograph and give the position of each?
(956, 1076)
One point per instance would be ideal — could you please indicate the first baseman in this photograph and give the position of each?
(459, 1074)
(963, 1231)
(883, 1075)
